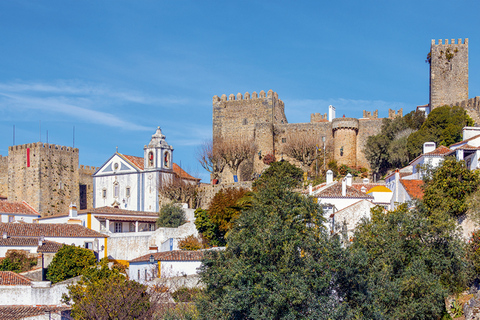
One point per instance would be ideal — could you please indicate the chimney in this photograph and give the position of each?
(428, 147)
(365, 180)
(349, 180)
(72, 210)
(329, 176)
(5, 236)
(310, 189)
(40, 240)
(344, 187)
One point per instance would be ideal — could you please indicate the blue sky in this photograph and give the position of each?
(118, 69)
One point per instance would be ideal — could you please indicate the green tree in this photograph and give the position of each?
(171, 216)
(106, 294)
(279, 262)
(443, 126)
(415, 119)
(402, 266)
(17, 261)
(448, 186)
(69, 262)
(280, 173)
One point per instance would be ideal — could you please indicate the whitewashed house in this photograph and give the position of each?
(165, 265)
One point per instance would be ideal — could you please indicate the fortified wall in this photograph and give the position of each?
(47, 176)
(448, 72)
(261, 119)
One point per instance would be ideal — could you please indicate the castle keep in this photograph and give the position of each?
(47, 176)
(261, 119)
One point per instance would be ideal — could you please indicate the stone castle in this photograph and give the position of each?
(260, 118)
(47, 176)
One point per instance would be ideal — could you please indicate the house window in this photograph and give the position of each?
(152, 227)
(127, 192)
(11, 218)
(132, 226)
(145, 274)
(118, 227)
(89, 245)
(138, 275)
(103, 225)
(284, 140)
(104, 193)
(115, 189)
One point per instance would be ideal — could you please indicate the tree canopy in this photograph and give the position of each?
(171, 216)
(105, 293)
(443, 126)
(402, 266)
(279, 262)
(69, 262)
(448, 186)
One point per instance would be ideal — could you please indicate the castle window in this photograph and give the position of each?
(284, 140)
(104, 193)
(245, 121)
(127, 192)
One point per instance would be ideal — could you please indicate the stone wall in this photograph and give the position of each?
(345, 141)
(86, 180)
(4, 176)
(366, 128)
(448, 72)
(44, 175)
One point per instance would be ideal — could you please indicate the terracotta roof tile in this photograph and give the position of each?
(468, 147)
(9, 278)
(106, 210)
(335, 191)
(414, 188)
(20, 242)
(17, 208)
(440, 151)
(48, 230)
(182, 173)
(463, 141)
(21, 312)
(136, 161)
(49, 246)
(176, 255)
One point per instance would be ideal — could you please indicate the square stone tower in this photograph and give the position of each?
(448, 72)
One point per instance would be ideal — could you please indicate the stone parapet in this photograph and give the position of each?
(345, 123)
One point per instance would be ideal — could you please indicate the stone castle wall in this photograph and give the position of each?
(3, 176)
(86, 180)
(448, 72)
(345, 132)
(366, 128)
(45, 175)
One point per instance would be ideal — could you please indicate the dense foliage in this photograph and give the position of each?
(279, 262)
(69, 262)
(448, 186)
(402, 266)
(443, 126)
(105, 293)
(225, 207)
(388, 149)
(17, 261)
(171, 216)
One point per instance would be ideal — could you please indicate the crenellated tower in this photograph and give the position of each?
(448, 72)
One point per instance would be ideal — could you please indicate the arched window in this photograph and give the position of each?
(150, 159)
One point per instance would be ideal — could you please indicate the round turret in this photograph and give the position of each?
(345, 141)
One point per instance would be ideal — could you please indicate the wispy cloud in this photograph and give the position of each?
(77, 101)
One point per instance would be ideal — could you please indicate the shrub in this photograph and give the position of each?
(185, 294)
(191, 243)
(171, 216)
(17, 261)
(69, 262)
(269, 158)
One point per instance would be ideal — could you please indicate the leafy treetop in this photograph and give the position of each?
(69, 262)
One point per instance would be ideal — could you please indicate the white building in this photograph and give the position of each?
(132, 183)
(17, 212)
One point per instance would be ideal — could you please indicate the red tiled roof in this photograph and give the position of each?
(367, 186)
(21, 312)
(106, 210)
(467, 147)
(413, 188)
(10, 278)
(182, 173)
(48, 230)
(49, 246)
(20, 242)
(335, 191)
(440, 151)
(176, 255)
(126, 219)
(136, 161)
(469, 139)
(17, 208)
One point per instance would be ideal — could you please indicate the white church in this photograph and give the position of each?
(132, 183)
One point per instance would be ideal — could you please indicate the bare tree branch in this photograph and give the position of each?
(302, 147)
(235, 151)
(210, 159)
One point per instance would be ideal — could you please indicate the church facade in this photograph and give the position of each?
(132, 183)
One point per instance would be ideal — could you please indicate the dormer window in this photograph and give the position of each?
(150, 159)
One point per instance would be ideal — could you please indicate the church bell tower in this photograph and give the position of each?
(158, 154)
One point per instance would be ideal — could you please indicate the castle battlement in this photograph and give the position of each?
(232, 97)
(345, 123)
(452, 41)
(41, 145)
(392, 114)
(370, 115)
(317, 117)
